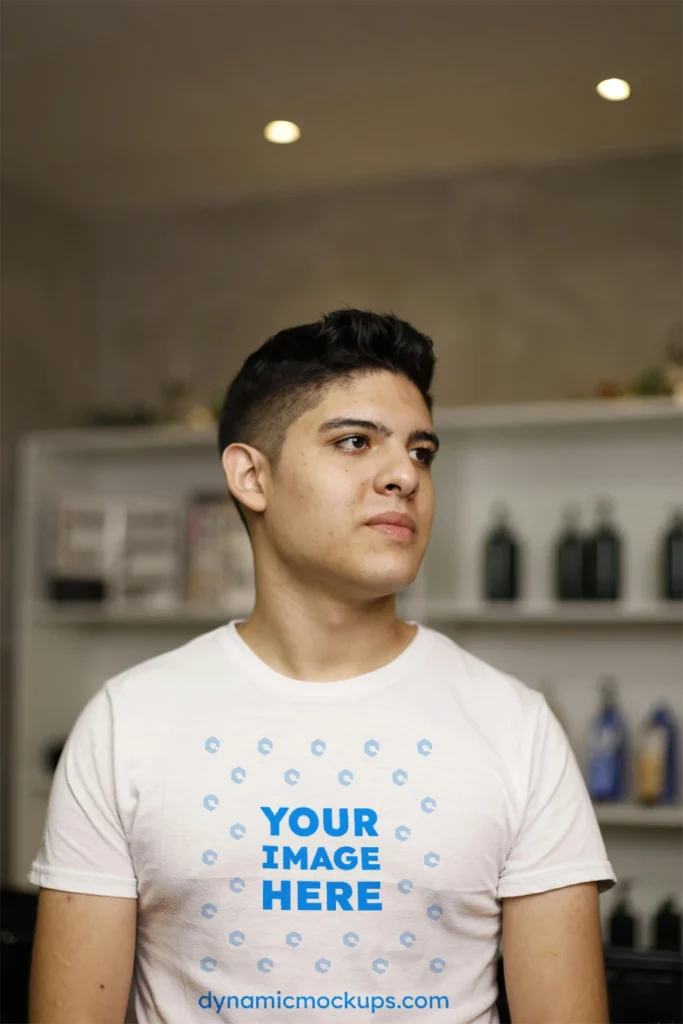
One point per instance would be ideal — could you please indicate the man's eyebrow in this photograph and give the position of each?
(378, 428)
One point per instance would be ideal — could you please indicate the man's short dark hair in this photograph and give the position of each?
(291, 372)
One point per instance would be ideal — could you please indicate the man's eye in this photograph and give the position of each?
(429, 454)
(352, 437)
(425, 456)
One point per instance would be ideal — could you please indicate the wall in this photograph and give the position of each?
(48, 363)
(533, 283)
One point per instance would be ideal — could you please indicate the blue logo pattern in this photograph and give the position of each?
(345, 777)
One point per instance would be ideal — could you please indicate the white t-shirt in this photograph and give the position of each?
(301, 851)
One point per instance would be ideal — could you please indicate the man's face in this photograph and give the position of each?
(332, 479)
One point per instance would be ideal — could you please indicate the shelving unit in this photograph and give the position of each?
(632, 816)
(536, 457)
(87, 615)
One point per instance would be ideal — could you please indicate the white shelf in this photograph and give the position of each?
(76, 614)
(569, 613)
(633, 816)
(576, 412)
(533, 414)
(120, 440)
(436, 611)
(621, 815)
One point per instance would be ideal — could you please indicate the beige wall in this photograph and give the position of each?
(48, 356)
(533, 283)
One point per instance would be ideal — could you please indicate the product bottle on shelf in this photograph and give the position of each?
(603, 557)
(568, 580)
(666, 926)
(622, 921)
(607, 747)
(671, 581)
(501, 559)
(657, 758)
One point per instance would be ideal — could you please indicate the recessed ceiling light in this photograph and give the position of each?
(282, 131)
(614, 89)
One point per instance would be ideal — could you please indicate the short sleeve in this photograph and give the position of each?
(558, 842)
(84, 847)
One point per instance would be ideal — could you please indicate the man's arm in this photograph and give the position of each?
(83, 957)
(553, 957)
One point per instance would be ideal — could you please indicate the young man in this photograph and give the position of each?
(322, 812)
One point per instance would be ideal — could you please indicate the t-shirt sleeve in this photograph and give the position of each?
(84, 847)
(559, 841)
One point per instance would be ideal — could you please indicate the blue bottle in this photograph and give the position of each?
(607, 755)
(657, 764)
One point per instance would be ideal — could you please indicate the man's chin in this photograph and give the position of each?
(387, 581)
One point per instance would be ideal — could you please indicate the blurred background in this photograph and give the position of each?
(458, 163)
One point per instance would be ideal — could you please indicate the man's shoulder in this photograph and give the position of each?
(200, 658)
(480, 680)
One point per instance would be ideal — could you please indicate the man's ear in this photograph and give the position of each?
(246, 474)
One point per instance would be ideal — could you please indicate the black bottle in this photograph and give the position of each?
(666, 931)
(672, 560)
(569, 558)
(602, 553)
(501, 559)
(622, 922)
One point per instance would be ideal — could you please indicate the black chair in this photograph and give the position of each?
(643, 987)
(17, 924)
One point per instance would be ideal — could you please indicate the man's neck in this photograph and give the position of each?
(325, 647)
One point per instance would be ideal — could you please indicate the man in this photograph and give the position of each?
(322, 810)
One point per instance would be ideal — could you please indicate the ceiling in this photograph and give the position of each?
(134, 104)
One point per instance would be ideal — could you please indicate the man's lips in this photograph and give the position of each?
(394, 524)
(392, 530)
